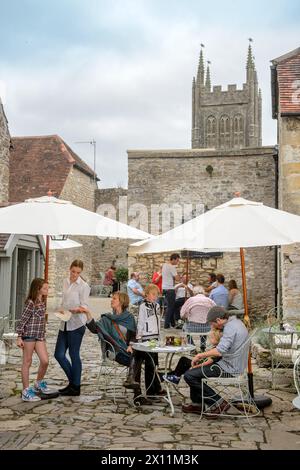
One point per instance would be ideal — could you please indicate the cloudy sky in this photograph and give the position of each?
(120, 71)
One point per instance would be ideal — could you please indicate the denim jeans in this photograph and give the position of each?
(170, 297)
(70, 340)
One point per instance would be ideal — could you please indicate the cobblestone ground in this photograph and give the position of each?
(94, 421)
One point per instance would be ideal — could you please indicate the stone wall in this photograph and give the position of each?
(183, 177)
(289, 200)
(4, 156)
(80, 189)
(111, 202)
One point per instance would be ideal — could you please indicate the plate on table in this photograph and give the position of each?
(63, 316)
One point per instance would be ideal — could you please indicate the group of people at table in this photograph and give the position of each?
(119, 330)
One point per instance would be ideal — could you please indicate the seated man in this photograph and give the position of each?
(234, 336)
(220, 294)
(183, 291)
(135, 290)
(194, 312)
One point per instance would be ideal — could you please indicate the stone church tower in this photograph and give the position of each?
(228, 119)
(4, 156)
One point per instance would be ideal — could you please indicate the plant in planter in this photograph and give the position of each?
(121, 276)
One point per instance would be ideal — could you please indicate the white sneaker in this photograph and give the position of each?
(42, 387)
(28, 394)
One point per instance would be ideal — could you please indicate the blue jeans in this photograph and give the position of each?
(170, 297)
(70, 340)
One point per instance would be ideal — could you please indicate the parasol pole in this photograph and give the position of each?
(46, 271)
(246, 320)
(187, 272)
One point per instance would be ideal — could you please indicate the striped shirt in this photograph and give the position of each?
(33, 321)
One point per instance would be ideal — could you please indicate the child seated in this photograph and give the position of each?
(185, 363)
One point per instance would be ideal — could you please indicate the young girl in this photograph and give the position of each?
(31, 337)
(184, 363)
(148, 328)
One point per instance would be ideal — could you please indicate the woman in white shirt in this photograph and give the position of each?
(75, 299)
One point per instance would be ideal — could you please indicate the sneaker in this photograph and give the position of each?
(42, 387)
(173, 379)
(28, 394)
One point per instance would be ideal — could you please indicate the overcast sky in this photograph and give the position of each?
(120, 71)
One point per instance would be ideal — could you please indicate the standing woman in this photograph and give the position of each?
(75, 299)
(31, 337)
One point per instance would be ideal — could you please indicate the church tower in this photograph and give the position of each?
(229, 119)
(4, 155)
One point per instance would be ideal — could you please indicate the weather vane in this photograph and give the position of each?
(250, 40)
(202, 45)
(209, 62)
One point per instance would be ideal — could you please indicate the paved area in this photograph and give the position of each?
(94, 421)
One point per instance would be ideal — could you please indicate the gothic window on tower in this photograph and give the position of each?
(211, 131)
(238, 131)
(225, 132)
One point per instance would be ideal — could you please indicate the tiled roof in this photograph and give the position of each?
(288, 83)
(40, 163)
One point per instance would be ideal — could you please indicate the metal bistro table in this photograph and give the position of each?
(170, 351)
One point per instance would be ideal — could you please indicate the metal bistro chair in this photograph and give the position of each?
(8, 337)
(196, 331)
(296, 401)
(111, 373)
(232, 387)
(284, 341)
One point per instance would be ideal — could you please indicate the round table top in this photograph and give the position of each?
(144, 347)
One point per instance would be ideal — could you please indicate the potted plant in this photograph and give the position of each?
(121, 276)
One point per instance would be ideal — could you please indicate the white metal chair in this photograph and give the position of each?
(111, 373)
(284, 340)
(232, 387)
(8, 338)
(196, 331)
(296, 373)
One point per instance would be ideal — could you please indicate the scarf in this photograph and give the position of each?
(110, 333)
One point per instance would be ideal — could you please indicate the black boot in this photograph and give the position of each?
(133, 374)
(62, 390)
(72, 391)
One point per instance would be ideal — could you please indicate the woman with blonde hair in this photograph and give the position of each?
(75, 299)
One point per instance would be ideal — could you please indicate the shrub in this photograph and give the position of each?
(122, 274)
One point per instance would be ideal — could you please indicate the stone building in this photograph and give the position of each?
(21, 256)
(40, 163)
(4, 155)
(170, 186)
(110, 202)
(285, 72)
(226, 119)
(178, 180)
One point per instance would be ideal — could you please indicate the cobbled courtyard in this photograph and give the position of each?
(94, 421)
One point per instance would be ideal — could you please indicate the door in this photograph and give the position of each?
(23, 279)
